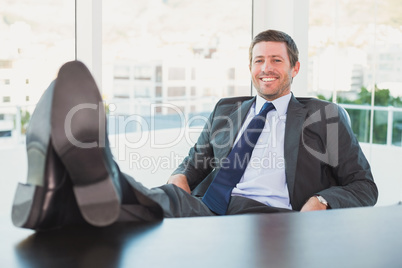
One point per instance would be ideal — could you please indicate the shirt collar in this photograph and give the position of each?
(281, 104)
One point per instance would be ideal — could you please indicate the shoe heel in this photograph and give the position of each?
(99, 202)
(94, 189)
(26, 209)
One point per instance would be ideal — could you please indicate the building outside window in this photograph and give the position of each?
(355, 56)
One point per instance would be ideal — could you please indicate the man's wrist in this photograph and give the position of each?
(322, 200)
(177, 178)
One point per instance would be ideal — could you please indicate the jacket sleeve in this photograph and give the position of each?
(355, 184)
(199, 162)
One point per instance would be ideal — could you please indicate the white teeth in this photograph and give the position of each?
(267, 79)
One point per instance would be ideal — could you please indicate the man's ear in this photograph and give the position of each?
(296, 69)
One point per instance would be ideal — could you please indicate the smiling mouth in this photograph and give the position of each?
(268, 79)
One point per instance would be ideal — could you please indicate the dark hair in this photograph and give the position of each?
(277, 36)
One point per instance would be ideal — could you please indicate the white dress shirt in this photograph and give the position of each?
(264, 179)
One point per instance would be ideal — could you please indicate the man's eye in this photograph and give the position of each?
(258, 61)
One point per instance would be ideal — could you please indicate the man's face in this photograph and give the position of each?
(270, 70)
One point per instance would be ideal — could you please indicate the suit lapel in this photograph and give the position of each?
(235, 121)
(295, 118)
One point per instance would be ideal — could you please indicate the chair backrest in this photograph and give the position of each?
(342, 110)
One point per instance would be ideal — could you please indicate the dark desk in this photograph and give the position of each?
(363, 237)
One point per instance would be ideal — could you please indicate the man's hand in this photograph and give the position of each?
(313, 204)
(180, 180)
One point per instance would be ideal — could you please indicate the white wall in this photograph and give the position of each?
(385, 164)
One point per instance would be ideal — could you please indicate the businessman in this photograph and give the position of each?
(269, 153)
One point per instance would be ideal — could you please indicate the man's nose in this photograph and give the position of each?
(267, 67)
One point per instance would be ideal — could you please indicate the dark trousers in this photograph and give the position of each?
(175, 202)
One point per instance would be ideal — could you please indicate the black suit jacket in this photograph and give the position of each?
(322, 155)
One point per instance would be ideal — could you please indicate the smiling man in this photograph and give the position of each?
(271, 70)
(306, 181)
(269, 153)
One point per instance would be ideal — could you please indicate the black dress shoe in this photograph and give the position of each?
(80, 139)
(46, 201)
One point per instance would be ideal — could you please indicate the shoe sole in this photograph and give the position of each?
(77, 141)
(28, 201)
(27, 210)
(33, 202)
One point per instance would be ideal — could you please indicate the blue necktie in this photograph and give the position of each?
(218, 194)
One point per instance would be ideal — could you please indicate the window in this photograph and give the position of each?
(37, 37)
(143, 72)
(158, 74)
(6, 64)
(4, 81)
(355, 50)
(173, 59)
(176, 91)
(121, 72)
(187, 55)
(177, 73)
